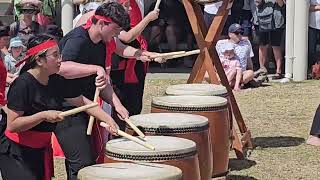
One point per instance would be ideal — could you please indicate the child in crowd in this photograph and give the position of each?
(231, 66)
(16, 49)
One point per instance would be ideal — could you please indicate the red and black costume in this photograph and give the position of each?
(127, 74)
(28, 154)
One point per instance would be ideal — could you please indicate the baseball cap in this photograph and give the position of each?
(235, 28)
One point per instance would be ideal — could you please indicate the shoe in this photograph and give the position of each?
(261, 71)
(277, 76)
(313, 140)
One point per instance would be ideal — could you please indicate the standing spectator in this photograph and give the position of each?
(15, 55)
(314, 30)
(26, 27)
(247, 13)
(270, 14)
(243, 50)
(46, 14)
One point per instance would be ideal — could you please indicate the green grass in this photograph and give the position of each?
(279, 117)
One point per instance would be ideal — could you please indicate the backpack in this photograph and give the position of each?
(265, 16)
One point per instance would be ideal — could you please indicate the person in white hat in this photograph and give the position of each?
(231, 65)
(16, 49)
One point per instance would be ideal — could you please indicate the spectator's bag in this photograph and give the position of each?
(266, 19)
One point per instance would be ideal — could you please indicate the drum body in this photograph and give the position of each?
(201, 90)
(125, 171)
(212, 107)
(188, 126)
(173, 151)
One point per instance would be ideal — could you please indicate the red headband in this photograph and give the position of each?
(36, 49)
(89, 21)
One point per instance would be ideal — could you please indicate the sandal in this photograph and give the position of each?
(277, 76)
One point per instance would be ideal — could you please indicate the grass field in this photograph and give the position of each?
(279, 117)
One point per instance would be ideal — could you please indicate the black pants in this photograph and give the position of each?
(75, 143)
(131, 96)
(315, 128)
(20, 162)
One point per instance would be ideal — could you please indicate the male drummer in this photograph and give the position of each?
(82, 70)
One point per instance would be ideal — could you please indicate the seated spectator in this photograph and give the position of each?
(270, 15)
(243, 50)
(26, 27)
(314, 31)
(15, 55)
(172, 26)
(231, 66)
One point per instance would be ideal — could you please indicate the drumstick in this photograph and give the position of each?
(128, 136)
(91, 119)
(78, 109)
(164, 55)
(135, 128)
(188, 53)
(157, 5)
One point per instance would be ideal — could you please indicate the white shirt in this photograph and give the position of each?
(314, 17)
(243, 51)
(213, 8)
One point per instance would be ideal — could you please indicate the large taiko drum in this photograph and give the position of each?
(178, 152)
(206, 1)
(126, 171)
(200, 90)
(216, 110)
(188, 126)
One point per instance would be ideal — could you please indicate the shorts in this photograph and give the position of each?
(274, 38)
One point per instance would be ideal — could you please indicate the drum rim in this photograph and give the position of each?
(146, 155)
(167, 102)
(189, 89)
(178, 123)
(171, 171)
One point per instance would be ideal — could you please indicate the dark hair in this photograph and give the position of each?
(114, 11)
(32, 42)
(55, 31)
(4, 30)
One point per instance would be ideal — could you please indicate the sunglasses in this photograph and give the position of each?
(238, 32)
(29, 11)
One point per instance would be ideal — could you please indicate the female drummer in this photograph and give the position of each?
(32, 114)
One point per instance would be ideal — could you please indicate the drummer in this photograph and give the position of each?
(83, 69)
(128, 74)
(33, 113)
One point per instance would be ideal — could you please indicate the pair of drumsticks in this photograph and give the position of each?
(120, 133)
(177, 54)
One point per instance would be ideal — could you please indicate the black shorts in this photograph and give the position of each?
(273, 38)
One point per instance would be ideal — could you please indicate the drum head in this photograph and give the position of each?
(121, 171)
(190, 101)
(166, 148)
(169, 120)
(197, 90)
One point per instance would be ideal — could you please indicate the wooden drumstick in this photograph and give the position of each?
(135, 128)
(164, 55)
(78, 109)
(128, 136)
(157, 5)
(91, 119)
(188, 53)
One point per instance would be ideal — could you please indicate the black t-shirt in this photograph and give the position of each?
(77, 46)
(28, 95)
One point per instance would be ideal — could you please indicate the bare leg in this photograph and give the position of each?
(247, 76)
(231, 75)
(238, 80)
(263, 51)
(278, 57)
